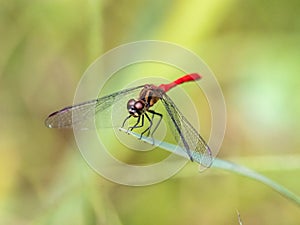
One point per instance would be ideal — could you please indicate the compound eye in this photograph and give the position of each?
(138, 105)
(130, 104)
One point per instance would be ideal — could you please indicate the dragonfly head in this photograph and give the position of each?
(135, 108)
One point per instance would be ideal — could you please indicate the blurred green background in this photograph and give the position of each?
(253, 47)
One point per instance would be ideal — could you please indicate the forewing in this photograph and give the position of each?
(186, 135)
(81, 115)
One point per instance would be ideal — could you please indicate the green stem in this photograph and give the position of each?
(229, 166)
(232, 167)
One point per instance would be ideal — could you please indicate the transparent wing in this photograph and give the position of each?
(79, 116)
(186, 135)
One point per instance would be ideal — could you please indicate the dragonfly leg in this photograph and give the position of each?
(157, 124)
(149, 127)
(136, 125)
(125, 121)
(148, 132)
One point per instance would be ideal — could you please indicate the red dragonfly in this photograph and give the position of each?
(185, 134)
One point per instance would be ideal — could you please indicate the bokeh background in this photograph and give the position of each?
(253, 47)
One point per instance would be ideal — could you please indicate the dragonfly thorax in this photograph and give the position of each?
(136, 107)
(149, 95)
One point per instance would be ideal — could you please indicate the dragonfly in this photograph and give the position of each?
(187, 137)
